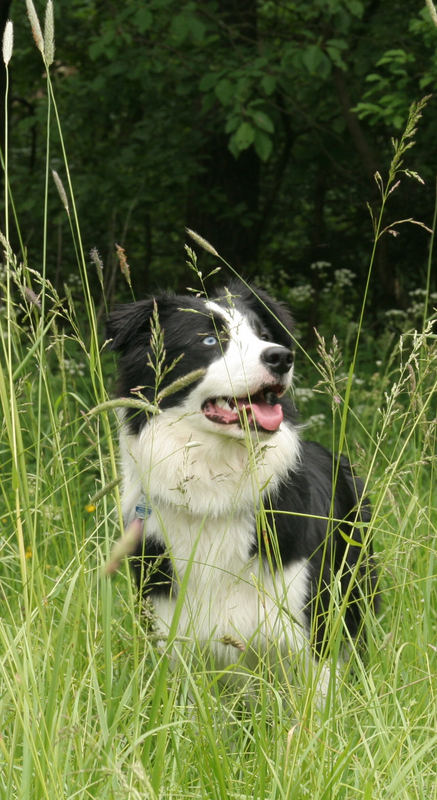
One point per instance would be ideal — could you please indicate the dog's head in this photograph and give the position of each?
(242, 341)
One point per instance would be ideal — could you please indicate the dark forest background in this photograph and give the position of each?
(258, 124)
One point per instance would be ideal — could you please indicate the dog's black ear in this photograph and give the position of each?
(127, 322)
(274, 311)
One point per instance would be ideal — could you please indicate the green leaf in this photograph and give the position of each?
(143, 19)
(262, 121)
(316, 61)
(263, 145)
(232, 123)
(225, 91)
(95, 50)
(244, 136)
(268, 83)
(208, 81)
(197, 30)
(180, 27)
(426, 81)
(334, 49)
(233, 147)
(336, 58)
(340, 44)
(356, 8)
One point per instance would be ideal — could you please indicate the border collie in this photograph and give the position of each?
(240, 515)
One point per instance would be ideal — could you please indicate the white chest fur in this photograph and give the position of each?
(176, 463)
(227, 594)
(204, 493)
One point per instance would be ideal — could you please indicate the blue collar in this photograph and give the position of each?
(142, 510)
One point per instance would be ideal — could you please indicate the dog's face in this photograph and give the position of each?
(241, 340)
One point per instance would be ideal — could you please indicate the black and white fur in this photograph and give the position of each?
(237, 504)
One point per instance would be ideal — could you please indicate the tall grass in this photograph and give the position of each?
(90, 708)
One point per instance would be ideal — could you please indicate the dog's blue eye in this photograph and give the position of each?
(210, 340)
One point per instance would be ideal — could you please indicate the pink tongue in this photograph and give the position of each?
(267, 416)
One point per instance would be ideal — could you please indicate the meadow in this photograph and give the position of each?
(89, 706)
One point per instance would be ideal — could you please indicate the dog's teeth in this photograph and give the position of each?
(221, 402)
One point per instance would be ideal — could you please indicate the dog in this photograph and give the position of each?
(251, 536)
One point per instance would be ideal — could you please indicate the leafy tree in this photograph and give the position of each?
(260, 124)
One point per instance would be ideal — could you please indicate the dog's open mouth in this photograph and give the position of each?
(261, 410)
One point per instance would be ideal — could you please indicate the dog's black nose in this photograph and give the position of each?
(277, 359)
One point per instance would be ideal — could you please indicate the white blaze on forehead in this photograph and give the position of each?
(244, 343)
(239, 328)
(227, 314)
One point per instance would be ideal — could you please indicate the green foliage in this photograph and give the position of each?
(389, 89)
(238, 124)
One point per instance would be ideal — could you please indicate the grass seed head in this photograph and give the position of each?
(61, 190)
(31, 297)
(8, 42)
(49, 34)
(124, 266)
(202, 242)
(98, 263)
(36, 27)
